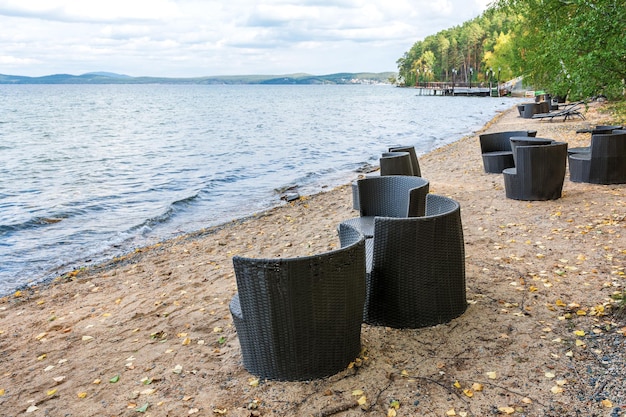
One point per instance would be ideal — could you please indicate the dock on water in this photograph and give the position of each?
(458, 89)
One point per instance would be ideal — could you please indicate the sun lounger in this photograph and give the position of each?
(567, 112)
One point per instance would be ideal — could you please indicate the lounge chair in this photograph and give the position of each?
(300, 318)
(567, 112)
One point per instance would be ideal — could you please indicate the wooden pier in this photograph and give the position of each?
(457, 89)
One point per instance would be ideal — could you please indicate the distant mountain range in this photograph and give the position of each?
(112, 78)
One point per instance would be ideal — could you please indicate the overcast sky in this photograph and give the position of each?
(191, 38)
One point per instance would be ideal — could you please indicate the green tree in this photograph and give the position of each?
(460, 48)
(502, 57)
(571, 47)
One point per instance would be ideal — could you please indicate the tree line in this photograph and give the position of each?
(570, 48)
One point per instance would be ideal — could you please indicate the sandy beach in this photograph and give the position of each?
(150, 333)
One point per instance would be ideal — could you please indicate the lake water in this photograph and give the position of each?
(88, 172)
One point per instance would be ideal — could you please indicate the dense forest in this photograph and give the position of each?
(571, 48)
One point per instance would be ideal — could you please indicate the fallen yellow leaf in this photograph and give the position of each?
(506, 410)
(362, 400)
(477, 386)
(1, 392)
(391, 412)
(81, 394)
(451, 412)
(357, 392)
(457, 384)
(253, 382)
(492, 375)
(607, 403)
(579, 332)
(51, 392)
(468, 392)
(556, 389)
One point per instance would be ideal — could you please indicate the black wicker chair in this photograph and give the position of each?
(529, 110)
(390, 165)
(416, 268)
(395, 163)
(415, 166)
(300, 318)
(388, 196)
(526, 141)
(496, 149)
(598, 130)
(605, 163)
(539, 174)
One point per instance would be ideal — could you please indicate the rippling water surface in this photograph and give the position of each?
(93, 171)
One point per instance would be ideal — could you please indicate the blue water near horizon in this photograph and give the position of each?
(89, 172)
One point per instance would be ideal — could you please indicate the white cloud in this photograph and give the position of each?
(194, 37)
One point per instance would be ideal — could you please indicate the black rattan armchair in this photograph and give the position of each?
(415, 166)
(300, 318)
(395, 163)
(605, 163)
(416, 268)
(539, 173)
(496, 149)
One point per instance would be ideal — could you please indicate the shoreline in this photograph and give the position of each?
(536, 272)
(110, 257)
(31, 260)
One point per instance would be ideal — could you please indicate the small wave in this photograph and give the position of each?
(170, 212)
(31, 223)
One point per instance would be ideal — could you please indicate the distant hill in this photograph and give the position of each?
(112, 78)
